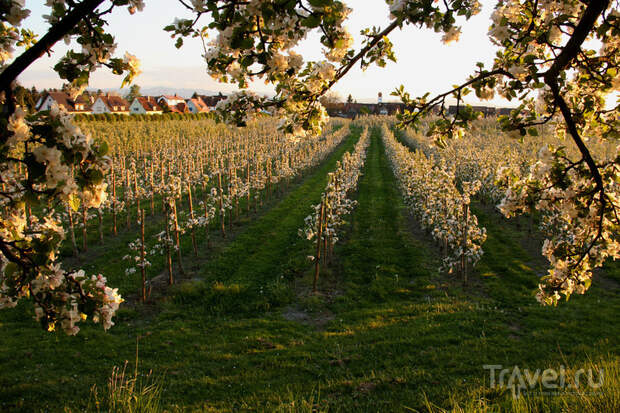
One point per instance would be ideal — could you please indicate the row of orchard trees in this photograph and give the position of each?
(510, 169)
(485, 153)
(323, 226)
(478, 155)
(442, 208)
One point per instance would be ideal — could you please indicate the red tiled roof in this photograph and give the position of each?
(168, 97)
(202, 107)
(211, 101)
(114, 103)
(149, 103)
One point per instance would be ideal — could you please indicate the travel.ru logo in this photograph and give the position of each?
(548, 382)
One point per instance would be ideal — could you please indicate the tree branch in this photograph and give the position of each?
(345, 69)
(56, 32)
(441, 98)
(593, 11)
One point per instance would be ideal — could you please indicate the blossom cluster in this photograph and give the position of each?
(49, 159)
(136, 259)
(12, 12)
(582, 229)
(419, 13)
(532, 36)
(257, 40)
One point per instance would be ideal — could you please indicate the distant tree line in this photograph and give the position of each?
(115, 117)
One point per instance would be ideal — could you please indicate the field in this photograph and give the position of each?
(242, 329)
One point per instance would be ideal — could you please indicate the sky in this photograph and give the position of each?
(424, 63)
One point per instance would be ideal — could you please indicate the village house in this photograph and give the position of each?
(210, 101)
(145, 105)
(196, 105)
(64, 101)
(110, 104)
(179, 108)
(504, 111)
(351, 110)
(170, 100)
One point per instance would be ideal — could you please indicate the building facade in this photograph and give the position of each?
(49, 99)
(145, 105)
(110, 104)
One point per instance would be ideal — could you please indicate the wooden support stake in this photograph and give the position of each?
(176, 236)
(142, 255)
(317, 258)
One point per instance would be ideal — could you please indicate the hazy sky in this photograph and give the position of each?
(424, 63)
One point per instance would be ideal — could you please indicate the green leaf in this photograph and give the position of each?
(319, 3)
(246, 43)
(311, 21)
(95, 176)
(10, 269)
(74, 203)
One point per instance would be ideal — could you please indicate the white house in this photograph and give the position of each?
(110, 104)
(145, 105)
(64, 101)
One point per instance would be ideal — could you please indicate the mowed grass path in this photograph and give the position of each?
(379, 255)
(386, 333)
